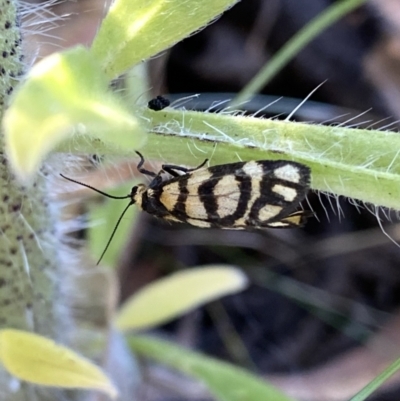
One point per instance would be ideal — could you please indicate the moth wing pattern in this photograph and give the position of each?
(239, 195)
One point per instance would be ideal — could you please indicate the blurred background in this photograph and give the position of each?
(320, 316)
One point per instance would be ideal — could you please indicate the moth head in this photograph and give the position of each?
(137, 194)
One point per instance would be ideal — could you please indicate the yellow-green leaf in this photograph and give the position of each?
(65, 94)
(41, 361)
(177, 294)
(135, 30)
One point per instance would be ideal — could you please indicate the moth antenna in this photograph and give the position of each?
(95, 189)
(114, 231)
(108, 196)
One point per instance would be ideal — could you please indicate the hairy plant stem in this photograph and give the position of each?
(29, 262)
(359, 164)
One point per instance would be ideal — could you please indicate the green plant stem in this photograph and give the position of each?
(371, 387)
(28, 256)
(11, 65)
(359, 164)
(314, 28)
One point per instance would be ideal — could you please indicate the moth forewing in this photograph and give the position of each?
(237, 195)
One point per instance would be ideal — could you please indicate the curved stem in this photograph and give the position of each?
(314, 28)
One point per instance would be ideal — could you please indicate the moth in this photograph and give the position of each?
(242, 195)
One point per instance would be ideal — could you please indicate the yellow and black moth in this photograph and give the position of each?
(242, 195)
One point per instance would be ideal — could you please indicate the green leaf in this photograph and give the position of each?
(135, 30)
(177, 294)
(65, 94)
(41, 361)
(226, 382)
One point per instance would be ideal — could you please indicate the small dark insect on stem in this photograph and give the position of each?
(108, 196)
(158, 103)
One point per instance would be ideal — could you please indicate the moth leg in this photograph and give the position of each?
(143, 170)
(172, 169)
(156, 181)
